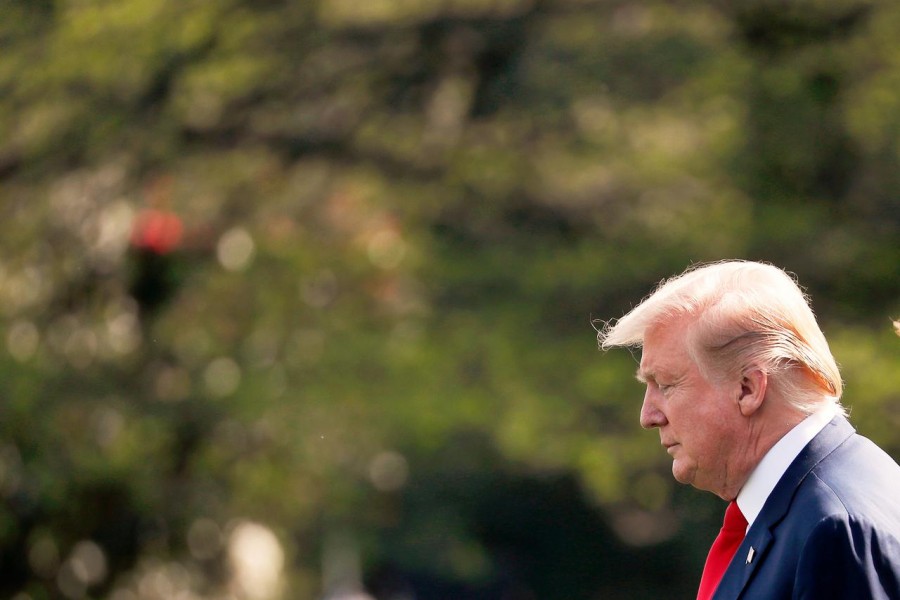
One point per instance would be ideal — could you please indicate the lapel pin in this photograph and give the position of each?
(750, 555)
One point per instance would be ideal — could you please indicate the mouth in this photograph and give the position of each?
(671, 447)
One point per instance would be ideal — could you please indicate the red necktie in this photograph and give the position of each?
(722, 551)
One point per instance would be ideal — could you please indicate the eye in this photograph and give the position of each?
(664, 388)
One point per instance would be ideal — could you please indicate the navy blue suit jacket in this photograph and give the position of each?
(829, 529)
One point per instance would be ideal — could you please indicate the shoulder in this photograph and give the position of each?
(847, 514)
(858, 483)
(831, 527)
(846, 556)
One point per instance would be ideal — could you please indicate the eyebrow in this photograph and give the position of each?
(644, 377)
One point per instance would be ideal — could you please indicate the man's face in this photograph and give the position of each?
(699, 421)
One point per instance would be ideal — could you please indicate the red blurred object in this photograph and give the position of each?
(157, 231)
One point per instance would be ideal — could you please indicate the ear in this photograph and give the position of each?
(754, 382)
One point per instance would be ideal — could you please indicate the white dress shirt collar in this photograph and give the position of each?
(768, 472)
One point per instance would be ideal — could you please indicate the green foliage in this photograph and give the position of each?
(399, 221)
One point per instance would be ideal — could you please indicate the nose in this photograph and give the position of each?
(651, 415)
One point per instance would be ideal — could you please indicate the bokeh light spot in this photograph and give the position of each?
(257, 560)
(388, 471)
(222, 377)
(204, 539)
(235, 249)
(22, 340)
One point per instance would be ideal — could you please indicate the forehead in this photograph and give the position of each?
(665, 351)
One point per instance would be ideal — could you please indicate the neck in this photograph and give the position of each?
(763, 430)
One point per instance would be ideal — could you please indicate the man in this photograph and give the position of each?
(746, 395)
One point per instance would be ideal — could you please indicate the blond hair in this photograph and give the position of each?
(742, 314)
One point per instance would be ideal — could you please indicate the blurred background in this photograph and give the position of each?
(296, 296)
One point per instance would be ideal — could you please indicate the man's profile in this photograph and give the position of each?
(746, 396)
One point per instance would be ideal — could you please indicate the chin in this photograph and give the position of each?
(682, 475)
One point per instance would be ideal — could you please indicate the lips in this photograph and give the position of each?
(670, 446)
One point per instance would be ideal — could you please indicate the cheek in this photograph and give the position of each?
(705, 430)
(714, 439)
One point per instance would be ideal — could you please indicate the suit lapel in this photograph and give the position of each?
(752, 552)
